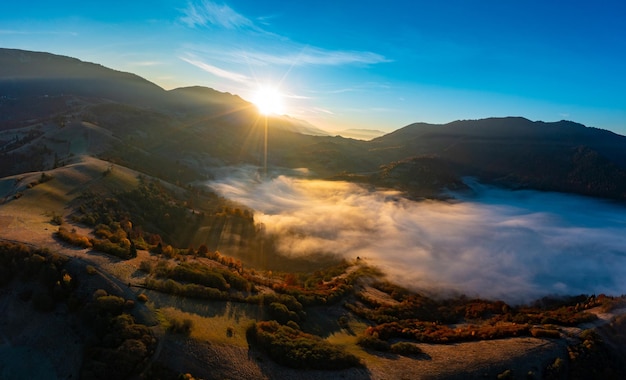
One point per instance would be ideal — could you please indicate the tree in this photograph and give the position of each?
(203, 250)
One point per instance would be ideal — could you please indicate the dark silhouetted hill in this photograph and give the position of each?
(519, 153)
(182, 134)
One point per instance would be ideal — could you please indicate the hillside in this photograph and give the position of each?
(183, 134)
(110, 237)
(518, 153)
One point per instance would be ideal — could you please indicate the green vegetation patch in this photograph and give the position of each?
(296, 349)
(121, 346)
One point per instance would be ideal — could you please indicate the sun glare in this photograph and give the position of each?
(268, 100)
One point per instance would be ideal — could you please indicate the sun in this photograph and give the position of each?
(269, 100)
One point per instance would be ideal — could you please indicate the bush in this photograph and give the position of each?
(545, 333)
(281, 313)
(179, 326)
(194, 273)
(373, 343)
(296, 349)
(73, 238)
(142, 298)
(106, 246)
(189, 290)
(406, 348)
(508, 374)
(90, 270)
(110, 305)
(56, 219)
(146, 266)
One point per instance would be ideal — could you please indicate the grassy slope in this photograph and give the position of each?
(28, 217)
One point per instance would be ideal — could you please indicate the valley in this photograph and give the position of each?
(141, 237)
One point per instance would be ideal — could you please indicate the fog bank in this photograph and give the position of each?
(494, 243)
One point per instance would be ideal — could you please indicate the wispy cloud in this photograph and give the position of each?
(322, 110)
(208, 12)
(361, 87)
(294, 96)
(317, 56)
(146, 63)
(217, 71)
(290, 53)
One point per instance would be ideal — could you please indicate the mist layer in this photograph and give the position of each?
(493, 243)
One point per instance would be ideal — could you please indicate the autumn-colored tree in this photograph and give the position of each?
(203, 250)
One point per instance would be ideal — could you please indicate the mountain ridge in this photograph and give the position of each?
(198, 128)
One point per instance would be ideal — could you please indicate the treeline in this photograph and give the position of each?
(113, 243)
(41, 266)
(320, 287)
(293, 348)
(419, 318)
(197, 273)
(197, 280)
(161, 215)
(121, 347)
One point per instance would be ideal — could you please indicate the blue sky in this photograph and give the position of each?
(369, 64)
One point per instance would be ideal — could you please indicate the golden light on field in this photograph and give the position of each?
(269, 100)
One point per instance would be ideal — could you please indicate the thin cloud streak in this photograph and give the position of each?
(146, 63)
(317, 56)
(516, 246)
(307, 56)
(210, 13)
(236, 77)
(206, 13)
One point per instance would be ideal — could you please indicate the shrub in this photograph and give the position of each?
(296, 349)
(556, 370)
(56, 219)
(197, 274)
(106, 246)
(373, 343)
(179, 326)
(189, 290)
(281, 313)
(142, 298)
(73, 238)
(406, 348)
(90, 270)
(110, 304)
(146, 266)
(545, 333)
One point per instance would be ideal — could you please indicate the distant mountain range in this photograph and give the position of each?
(53, 108)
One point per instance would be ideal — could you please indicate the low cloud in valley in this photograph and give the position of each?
(511, 245)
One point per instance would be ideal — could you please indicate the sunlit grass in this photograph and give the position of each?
(347, 339)
(219, 329)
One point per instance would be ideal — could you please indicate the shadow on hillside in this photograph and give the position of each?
(392, 356)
